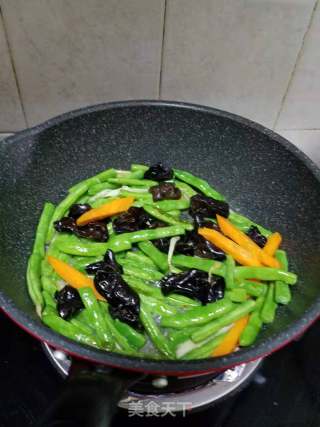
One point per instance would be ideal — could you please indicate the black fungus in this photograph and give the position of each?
(96, 231)
(135, 219)
(159, 172)
(194, 284)
(68, 302)
(207, 206)
(165, 191)
(256, 236)
(191, 243)
(65, 225)
(123, 301)
(77, 210)
(108, 264)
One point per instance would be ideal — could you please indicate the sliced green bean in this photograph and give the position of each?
(198, 183)
(229, 272)
(182, 301)
(282, 291)
(254, 325)
(235, 314)
(166, 218)
(185, 188)
(175, 213)
(137, 167)
(198, 315)
(48, 285)
(178, 336)
(133, 182)
(158, 306)
(64, 206)
(169, 205)
(34, 282)
(125, 262)
(130, 270)
(264, 273)
(158, 257)
(237, 295)
(97, 179)
(42, 229)
(97, 188)
(138, 256)
(269, 307)
(134, 338)
(141, 286)
(96, 318)
(253, 289)
(206, 349)
(158, 339)
(198, 263)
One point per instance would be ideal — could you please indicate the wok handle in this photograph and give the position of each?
(89, 398)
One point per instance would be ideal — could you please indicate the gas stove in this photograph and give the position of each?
(282, 391)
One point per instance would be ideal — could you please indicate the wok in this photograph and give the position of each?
(261, 174)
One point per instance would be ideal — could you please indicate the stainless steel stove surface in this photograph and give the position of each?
(283, 392)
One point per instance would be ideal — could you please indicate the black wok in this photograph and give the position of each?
(260, 173)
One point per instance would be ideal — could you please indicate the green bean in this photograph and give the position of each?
(80, 263)
(133, 182)
(159, 340)
(182, 301)
(198, 183)
(97, 188)
(158, 257)
(48, 285)
(166, 218)
(143, 197)
(83, 327)
(264, 273)
(185, 188)
(158, 306)
(175, 213)
(210, 328)
(94, 313)
(137, 167)
(48, 299)
(124, 241)
(97, 179)
(138, 256)
(125, 262)
(269, 307)
(205, 349)
(198, 315)
(103, 201)
(229, 272)
(138, 174)
(134, 338)
(178, 336)
(63, 327)
(141, 287)
(73, 245)
(237, 295)
(282, 291)
(244, 223)
(254, 325)
(198, 263)
(34, 282)
(169, 205)
(150, 275)
(42, 228)
(254, 289)
(63, 207)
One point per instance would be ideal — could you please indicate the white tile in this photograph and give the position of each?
(307, 141)
(301, 109)
(233, 54)
(11, 116)
(74, 53)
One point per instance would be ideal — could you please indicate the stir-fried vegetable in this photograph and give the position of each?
(153, 263)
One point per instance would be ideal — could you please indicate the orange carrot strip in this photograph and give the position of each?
(244, 241)
(72, 276)
(273, 243)
(231, 340)
(108, 209)
(241, 255)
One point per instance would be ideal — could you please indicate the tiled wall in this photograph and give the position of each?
(260, 59)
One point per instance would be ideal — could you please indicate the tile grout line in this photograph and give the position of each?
(299, 55)
(162, 48)
(13, 67)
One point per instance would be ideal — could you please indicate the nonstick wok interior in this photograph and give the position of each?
(260, 174)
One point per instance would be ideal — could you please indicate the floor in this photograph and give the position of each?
(259, 59)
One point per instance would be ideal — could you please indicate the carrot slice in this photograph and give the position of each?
(241, 255)
(108, 209)
(244, 241)
(72, 276)
(273, 243)
(231, 340)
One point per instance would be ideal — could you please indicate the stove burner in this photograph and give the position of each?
(180, 393)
